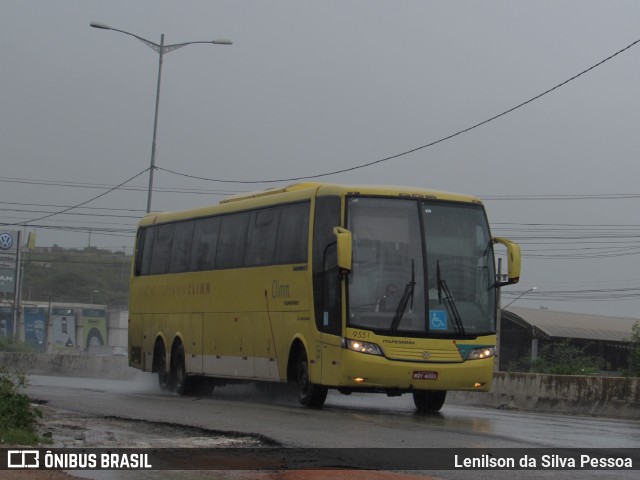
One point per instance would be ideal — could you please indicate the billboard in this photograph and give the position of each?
(9, 241)
(95, 327)
(64, 328)
(6, 322)
(34, 327)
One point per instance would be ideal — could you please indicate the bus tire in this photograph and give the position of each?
(178, 377)
(160, 365)
(309, 394)
(429, 401)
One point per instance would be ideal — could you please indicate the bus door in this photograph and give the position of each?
(327, 287)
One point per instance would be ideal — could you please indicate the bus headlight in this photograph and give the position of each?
(480, 353)
(363, 347)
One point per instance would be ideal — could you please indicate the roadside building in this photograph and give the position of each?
(524, 331)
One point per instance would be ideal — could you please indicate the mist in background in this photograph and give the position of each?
(309, 88)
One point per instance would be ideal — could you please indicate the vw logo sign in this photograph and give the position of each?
(6, 241)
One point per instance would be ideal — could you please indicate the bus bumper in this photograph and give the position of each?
(371, 372)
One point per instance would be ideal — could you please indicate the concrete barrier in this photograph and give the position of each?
(68, 365)
(617, 397)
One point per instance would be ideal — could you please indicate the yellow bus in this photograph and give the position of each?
(354, 288)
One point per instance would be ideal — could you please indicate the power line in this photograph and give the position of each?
(566, 226)
(413, 150)
(580, 295)
(114, 232)
(68, 220)
(602, 196)
(38, 255)
(88, 214)
(46, 205)
(573, 241)
(59, 183)
(81, 204)
(583, 256)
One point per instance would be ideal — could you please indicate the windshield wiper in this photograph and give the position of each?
(449, 302)
(407, 294)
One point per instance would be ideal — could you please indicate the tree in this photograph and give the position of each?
(561, 358)
(634, 354)
(77, 276)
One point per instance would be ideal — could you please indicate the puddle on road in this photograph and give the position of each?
(74, 430)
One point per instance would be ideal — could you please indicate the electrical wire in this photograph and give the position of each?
(577, 295)
(18, 210)
(133, 188)
(80, 204)
(413, 150)
(45, 205)
(601, 196)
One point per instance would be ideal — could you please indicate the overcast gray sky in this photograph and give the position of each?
(315, 86)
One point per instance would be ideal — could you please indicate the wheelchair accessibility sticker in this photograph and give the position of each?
(438, 320)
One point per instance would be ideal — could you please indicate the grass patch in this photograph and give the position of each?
(9, 345)
(18, 418)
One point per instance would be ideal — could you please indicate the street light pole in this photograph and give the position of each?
(498, 352)
(155, 124)
(161, 49)
(520, 296)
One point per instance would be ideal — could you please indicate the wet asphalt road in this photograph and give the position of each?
(346, 421)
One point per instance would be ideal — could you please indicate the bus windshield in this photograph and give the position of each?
(421, 268)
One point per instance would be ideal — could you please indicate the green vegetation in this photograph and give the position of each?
(634, 354)
(9, 345)
(18, 419)
(76, 276)
(561, 358)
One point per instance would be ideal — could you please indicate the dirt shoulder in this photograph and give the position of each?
(74, 430)
(68, 429)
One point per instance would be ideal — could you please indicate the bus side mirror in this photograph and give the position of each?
(514, 260)
(344, 247)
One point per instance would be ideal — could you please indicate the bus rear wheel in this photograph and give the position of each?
(309, 394)
(178, 377)
(163, 375)
(429, 401)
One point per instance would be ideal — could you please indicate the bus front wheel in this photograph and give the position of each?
(309, 394)
(429, 401)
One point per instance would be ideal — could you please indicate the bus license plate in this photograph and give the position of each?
(425, 375)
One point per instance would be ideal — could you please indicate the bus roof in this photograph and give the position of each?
(300, 191)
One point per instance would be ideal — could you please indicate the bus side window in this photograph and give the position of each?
(231, 244)
(261, 237)
(204, 246)
(293, 234)
(161, 249)
(143, 250)
(181, 247)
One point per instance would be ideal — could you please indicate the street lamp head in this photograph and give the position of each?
(532, 289)
(103, 26)
(161, 50)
